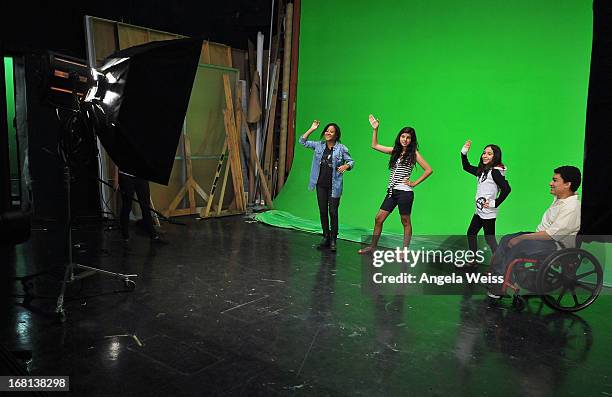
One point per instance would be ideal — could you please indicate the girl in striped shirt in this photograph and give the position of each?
(404, 156)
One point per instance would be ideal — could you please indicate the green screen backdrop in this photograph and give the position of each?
(514, 73)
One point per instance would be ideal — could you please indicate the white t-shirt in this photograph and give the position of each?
(561, 221)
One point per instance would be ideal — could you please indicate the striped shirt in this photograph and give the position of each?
(398, 173)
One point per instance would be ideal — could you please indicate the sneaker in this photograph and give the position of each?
(494, 291)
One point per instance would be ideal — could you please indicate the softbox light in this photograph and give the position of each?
(140, 100)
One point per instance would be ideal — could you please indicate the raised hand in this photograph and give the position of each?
(315, 125)
(373, 122)
(466, 146)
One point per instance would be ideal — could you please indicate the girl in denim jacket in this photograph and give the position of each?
(329, 162)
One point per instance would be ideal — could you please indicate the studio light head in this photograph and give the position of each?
(135, 102)
(66, 78)
(140, 97)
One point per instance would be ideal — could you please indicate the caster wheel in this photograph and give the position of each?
(129, 284)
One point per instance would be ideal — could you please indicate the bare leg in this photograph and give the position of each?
(407, 229)
(378, 225)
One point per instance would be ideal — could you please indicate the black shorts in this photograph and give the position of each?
(400, 198)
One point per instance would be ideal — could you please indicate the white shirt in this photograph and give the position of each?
(562, 220)
(487, 190)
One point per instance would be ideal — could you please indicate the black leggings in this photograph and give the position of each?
(489, 231)
(128, 185)
(331, 204)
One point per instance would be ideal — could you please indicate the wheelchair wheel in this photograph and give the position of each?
(570, 280)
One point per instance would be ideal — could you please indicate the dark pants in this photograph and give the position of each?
(328, 203)
(525, 249)
(128, 185)
(489, 231)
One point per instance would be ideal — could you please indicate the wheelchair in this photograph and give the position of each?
(567, 280)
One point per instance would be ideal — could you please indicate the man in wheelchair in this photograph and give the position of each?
(558, 227)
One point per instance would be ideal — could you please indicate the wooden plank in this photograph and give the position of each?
(189, 167)
(213, 187)
(255, 165)
(238, 115)
(218, 54)
(199, 190)
(226, 213)
(229, 56)
(235, 163)
(269, 153)
(184, 211)
(222, 196)
(177, 199)
(233, 144)
(293, 84)
(190, 187)
(205, 54)
(282, 149)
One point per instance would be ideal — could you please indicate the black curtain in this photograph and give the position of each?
(597, 168)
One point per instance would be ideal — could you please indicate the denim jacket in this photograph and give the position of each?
(340, 156)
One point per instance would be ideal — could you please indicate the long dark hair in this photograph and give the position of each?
(410, 156)
(495, 162)
(337, 135)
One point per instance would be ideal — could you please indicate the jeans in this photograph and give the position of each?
(526, 248)
(331, 204)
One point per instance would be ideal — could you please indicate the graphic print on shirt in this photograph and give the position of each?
(480, 202)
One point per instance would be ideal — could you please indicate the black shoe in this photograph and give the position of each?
(332, 245)
(324, 243)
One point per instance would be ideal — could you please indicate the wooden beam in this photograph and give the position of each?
(233, 144)
(282, 149)
(255, 164)
(213, 188)
(190, 187)
(269, 153)
(293, 84)
(222, 196)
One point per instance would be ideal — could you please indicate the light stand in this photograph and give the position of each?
(66, 150)
(69, 273)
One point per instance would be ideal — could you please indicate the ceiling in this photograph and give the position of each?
(40, 25)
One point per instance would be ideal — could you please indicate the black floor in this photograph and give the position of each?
(233, 307)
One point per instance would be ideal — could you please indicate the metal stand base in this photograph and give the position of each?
(69, 274)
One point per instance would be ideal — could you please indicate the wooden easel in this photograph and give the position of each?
(233, 164)
(191, 187)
